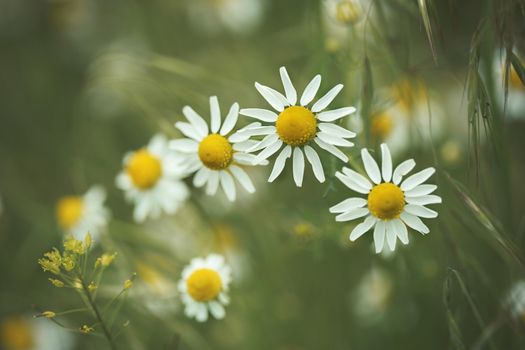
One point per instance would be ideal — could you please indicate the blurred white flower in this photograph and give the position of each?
(215, 157)
(204, 287)
(516, 300)
(236, 16)
(372, 295)
(151, 179)
(339, 18)
(78, 215)
(391, 204)
(29, 333)
(297, 127)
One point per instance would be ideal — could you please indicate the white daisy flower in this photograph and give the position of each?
(392, 204)
(151, 180)
(30, 333)
(204, 287)
(214, 153)
(78, 215)
(297, 127)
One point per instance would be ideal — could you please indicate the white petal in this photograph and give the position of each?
(246, 159)
(414, 222)
(351, 183)
(267, 152)
(324, 101)
(421, 211)
(184, 145)
(386, 163)
(196, 120)
(188, 130)
(258, 131)
(330, 116)
(390, 235)
(243, 178)
(270, 97)
(420, 190)
(217, 310)
(298, 166)
(358, 178)
(332, 149)
(363, 227)
(334, 140)
(336, 130)
(310, 90)
(313, 158)
(202, 313)
(289, 89)
(371, 166)
(259, 113)
(352, 214)
(215, 114)
(280, 162)
(417, 179)
(267, 141)
(348, 204)
(379, 235)
(227, 185)
(401, 230)
(244, 145)
(201, 177)
(231, 119)
(423, 200)
(213, 183)
(403, 169)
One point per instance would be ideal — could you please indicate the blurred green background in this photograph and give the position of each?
(82, 82)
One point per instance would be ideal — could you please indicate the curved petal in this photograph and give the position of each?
(362, 228)
(386, 163)
(334, 140)
(243, 178)
(280, 162)
(267, 141)
(334, 114)
(401, 230)
(420, 211)
(351, 183)
(270, 97)
(352, 214)
(336, 130)
(231, 119)
(196, 120)
(324, 101)
(298, 166)
(188, 130)
(331, 149)
(201, 177)
(289, 89)
(260, 114)
(358, 178)
(348, 204)
(314, 160)
(420, 190)
(414, 222)
(267, 152)
(310, 90)
(371, 166)
(417, 179)
(402, 169)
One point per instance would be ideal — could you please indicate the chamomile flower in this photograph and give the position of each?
(151, 180)
(204, 286)
(78, 215)
(392, 203)
(297, 127)
(215, 154)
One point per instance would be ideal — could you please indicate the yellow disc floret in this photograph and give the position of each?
(296, 125)
(386, 201)
(347, 12)
(204, 284)
(381, 126)
(215, 152)
(144, 169)
(69, 211)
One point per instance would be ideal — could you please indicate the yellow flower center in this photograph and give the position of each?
(347, 12)
(381, 126)
(296, 125)
(204, 284)
(16, 334)
(514, 80)
(144, 169)
(215, 152)
(69, 210)
(386, 201)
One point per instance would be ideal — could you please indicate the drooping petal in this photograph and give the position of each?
(417, 179)
(401, 230)
(331, 149)
(213, 183)
(334, 114)
(289, 89)
(317, 167)
(280, 162)
(310, 90)
(414, 222)
(386, 163)
(420, 211)
(403, 169)
(196, 120)
(227, 185)
(348, 204)
(298, 166)
(352, 214)
(267, 141)
(243, 178)
(231, 119)
(270, 97)
(324, 101)
(391, 236)
(371, 166)
(260, 114)
(362, 228)
(379, 235)
(215, 114)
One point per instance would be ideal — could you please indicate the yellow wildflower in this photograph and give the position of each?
(56, 283)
